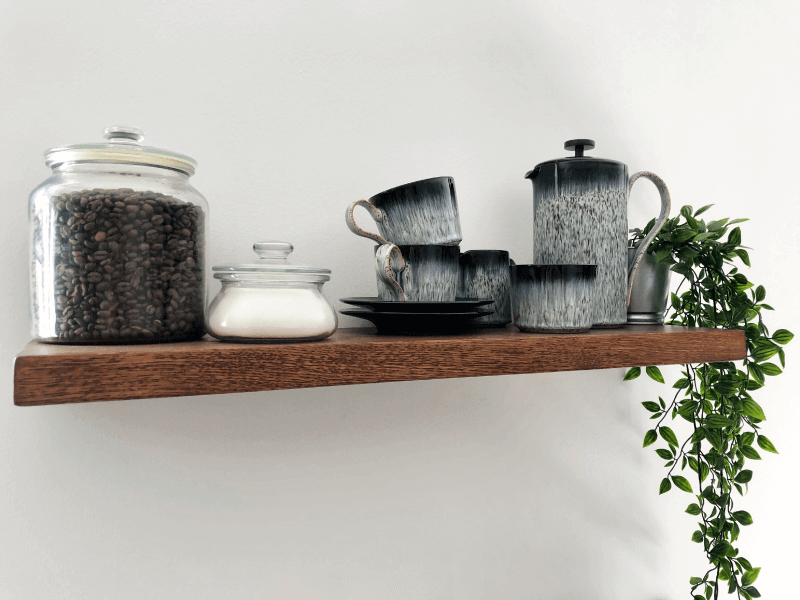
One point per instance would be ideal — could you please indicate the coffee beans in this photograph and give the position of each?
(118, 265)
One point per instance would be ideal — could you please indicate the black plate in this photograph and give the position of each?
(419, 323)
(461, 305)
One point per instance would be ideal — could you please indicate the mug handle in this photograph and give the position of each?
(377, 215)
(388, 261)
(662, 218)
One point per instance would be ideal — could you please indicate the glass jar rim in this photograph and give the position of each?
(123, 147)
(273, 266)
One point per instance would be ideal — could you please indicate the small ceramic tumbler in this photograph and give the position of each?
(486, 275)
(422, 212)
(419, 273)
(553, 298)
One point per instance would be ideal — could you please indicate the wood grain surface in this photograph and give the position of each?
(58, 374)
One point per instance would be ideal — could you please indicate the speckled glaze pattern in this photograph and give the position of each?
(486, 275)
(589, 228)
(422, 212)
(429, 273)
(553, 298)
(581, 217)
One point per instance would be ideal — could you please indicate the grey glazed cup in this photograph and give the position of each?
(419, 213)
(417, 273)
(553, 298)
(485, 275)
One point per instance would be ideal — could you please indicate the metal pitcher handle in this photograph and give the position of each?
(662, 218)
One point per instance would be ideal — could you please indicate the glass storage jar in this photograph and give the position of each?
(271, 300)
(117, 245)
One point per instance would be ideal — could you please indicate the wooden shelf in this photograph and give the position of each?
(56, 374)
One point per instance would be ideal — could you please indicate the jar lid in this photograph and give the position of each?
(124, 146)
(273, 265)
(577, 146)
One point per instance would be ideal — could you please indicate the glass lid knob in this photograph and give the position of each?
(124, 134)
(273, 251)
(579, 146)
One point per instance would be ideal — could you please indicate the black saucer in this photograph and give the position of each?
(419, 323)
(460, 305)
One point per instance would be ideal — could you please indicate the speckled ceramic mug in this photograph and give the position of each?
(417, 273)
(419, 213)
(486, 275)
(553, 298)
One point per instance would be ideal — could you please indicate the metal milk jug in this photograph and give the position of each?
(580, 216)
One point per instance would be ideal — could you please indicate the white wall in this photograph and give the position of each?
(506, 487)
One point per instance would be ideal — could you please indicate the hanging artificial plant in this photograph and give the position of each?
(723, 420)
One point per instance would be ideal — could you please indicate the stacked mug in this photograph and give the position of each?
(417, 256)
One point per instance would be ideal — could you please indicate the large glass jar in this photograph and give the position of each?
(117, 245)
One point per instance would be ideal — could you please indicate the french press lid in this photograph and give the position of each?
(579, 146)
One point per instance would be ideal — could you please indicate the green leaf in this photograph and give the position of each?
(703, 209)
(697, 536)
(744, 563)
(632, 374)
(664, 487)
(683, 235)
(651, 406)
(782, 336)
(681, 383)
(665, 454)
(655, 374)
(668, 435)
(693, 509)
(743, 476)
(720, 549)
(764, 352)
(718, 421)
(703, 471)
(649, 438)
(751, 453)
(695, 580)
(743, 255)
(761, 293)
(765, 444)
(748, 438)
(754, 593)
(714, 225)
(749, 578)
(770, 369)
(735, 237)
(743, 517)
(737, 221)
(682, 483)
(756, 373)
(752, 409)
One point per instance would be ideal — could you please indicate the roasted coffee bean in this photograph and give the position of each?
(122, 262)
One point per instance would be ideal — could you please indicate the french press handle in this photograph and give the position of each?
(662, 218)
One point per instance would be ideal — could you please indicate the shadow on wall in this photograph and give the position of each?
(502, 478)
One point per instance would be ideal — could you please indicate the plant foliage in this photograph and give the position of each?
(714, 400)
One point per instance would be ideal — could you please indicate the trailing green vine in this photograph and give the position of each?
(724, 420)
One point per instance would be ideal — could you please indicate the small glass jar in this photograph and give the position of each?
(271, 300)
(117, 245)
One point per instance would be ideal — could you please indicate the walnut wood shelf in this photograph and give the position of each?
(57, 374)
